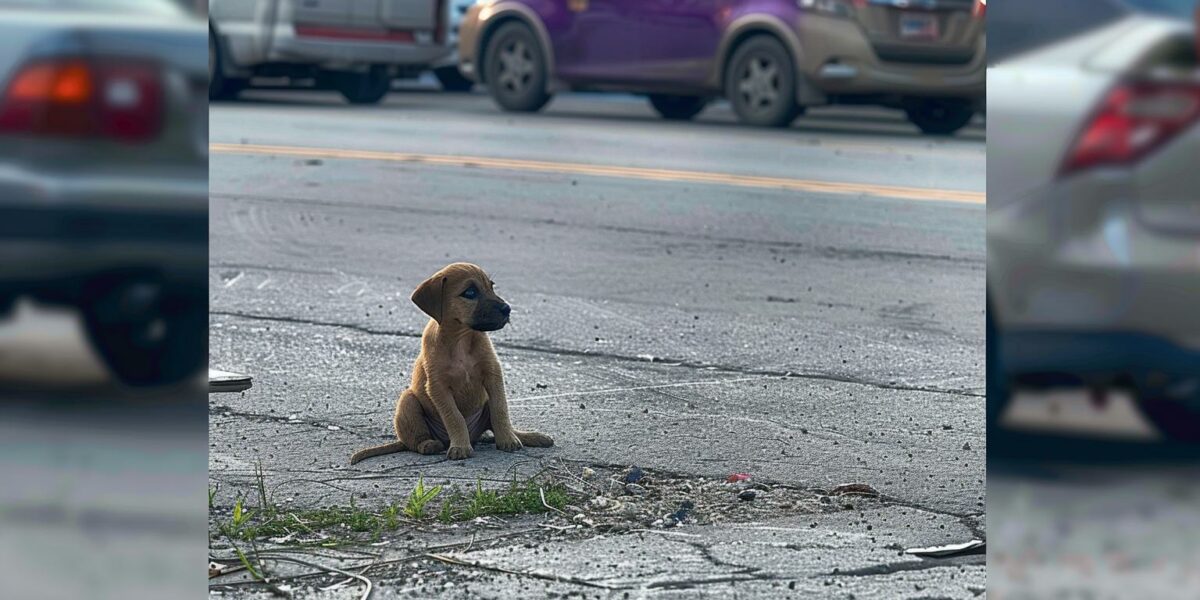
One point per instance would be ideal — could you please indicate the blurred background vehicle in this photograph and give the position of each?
(446, 69)
(104, 176)
(771, 59)
(1093, 219)
(354, 46)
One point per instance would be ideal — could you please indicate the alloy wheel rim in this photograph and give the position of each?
(516, 66)
(759, 84)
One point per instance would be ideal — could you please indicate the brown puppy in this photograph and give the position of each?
(457, 389)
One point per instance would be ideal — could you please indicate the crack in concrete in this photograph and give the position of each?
(221, 410)
(719, 241)
(901, 567)
(715, 368)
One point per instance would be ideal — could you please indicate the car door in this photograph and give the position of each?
(321, 13)
(678, 39)
(408, 15)
(595, 41)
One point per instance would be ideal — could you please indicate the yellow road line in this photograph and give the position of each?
(648, 174)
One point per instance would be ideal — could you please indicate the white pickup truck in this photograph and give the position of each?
(354, 46)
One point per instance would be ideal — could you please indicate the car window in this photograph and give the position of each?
(1172, 8)
(1017, 26)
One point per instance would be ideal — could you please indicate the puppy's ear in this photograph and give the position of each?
(428, 297)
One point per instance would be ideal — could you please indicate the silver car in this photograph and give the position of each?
(354, 46)
(1093, 208)
(104, 175)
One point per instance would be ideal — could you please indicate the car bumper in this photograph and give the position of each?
(56, 228)
(1077, 255)
(838, 59)
(468, 42)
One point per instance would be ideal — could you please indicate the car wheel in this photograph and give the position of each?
(516, 69)
(220, 87)
(1178, 418)
(364, 88)
(940, 116)
(678, 108)
(760, 83)
(452, 80)
(145, 336)
(996, 382)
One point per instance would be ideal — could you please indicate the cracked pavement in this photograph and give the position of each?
(809, 339)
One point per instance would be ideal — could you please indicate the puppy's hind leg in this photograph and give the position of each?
(533, 439)
(411, 427)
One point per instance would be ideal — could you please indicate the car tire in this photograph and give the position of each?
(364, 88)
(677, 108)
(997, 388)
(940, 116)
(515, 69)
(220, 87)
(760, 83)
(452, 80)
(164, 344)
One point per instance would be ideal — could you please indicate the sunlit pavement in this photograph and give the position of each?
(700, 298)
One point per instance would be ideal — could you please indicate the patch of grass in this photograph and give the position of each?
(348, 524)
(212, 493)
(418, 498)
(519, 498)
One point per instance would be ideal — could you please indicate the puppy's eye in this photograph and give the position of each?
(471, 293)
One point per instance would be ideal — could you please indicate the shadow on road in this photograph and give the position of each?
(859, 122)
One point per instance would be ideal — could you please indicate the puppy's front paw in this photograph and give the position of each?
(459, 452)
(508, 443)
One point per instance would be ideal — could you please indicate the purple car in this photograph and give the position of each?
(770, 58)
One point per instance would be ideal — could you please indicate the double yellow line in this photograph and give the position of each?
(640, 173)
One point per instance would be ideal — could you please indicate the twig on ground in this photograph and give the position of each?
(450, 560)
(366, 592)
(542, 493)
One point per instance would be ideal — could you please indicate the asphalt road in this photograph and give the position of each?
(698, 298)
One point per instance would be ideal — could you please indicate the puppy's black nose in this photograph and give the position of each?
(504, 309)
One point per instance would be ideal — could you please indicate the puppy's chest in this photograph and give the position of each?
(466, 376)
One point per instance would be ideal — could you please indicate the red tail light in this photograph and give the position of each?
(1134, 120)
(84, 98)
(980, 9)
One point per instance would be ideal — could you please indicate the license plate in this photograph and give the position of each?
(918, 26)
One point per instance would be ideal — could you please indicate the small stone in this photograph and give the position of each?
(825, 500)
(634, 474)
(967, 446)
(747, 495)
(588, 472)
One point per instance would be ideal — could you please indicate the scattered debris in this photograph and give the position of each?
(747, 495)
(634, 474)
(224, 381)
(967, 446)
(950, 550)
(587, 472)
(635, 489)
(736, 477)
(858, 489)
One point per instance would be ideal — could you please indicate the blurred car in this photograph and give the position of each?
(104, 176)
(446, 69)
(770, 58)
(353, 46)
(1093, 209)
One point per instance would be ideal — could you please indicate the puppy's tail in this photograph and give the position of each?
(396, 446)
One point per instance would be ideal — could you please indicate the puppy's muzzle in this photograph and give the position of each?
(491, 317)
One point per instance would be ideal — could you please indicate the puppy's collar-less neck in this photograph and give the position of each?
(451, 337)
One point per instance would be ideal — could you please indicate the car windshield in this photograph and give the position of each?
(153, 7)
(1174, 8)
